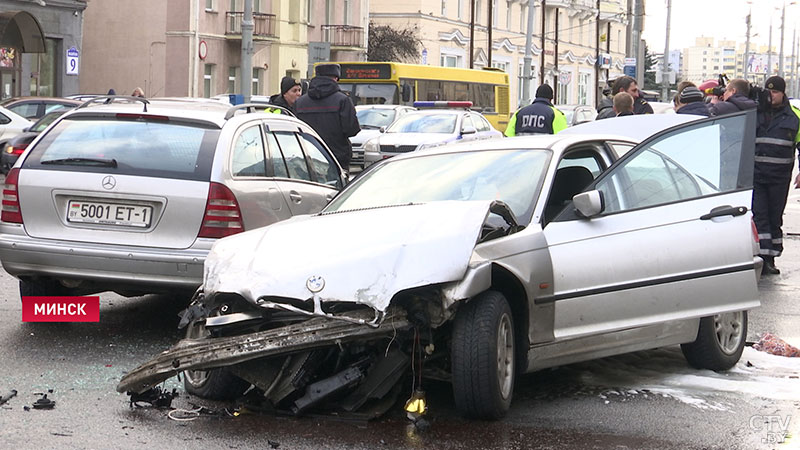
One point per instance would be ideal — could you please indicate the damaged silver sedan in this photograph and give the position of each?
(475, 263)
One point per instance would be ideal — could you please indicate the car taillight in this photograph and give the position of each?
(755, 230)
(11, 212)
(222, 217)
(16, 150)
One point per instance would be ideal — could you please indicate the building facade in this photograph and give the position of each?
(40, 47)
(193, 47)
(576, 36)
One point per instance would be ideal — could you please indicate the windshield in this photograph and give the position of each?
(424, 123)
(513, 176)
(375, 117)
(371, 93)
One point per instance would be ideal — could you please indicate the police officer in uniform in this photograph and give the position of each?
(776, 137)
(540, 117)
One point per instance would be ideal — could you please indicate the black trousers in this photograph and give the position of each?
(769, 201)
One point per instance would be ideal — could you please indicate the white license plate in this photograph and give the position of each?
(137, 216)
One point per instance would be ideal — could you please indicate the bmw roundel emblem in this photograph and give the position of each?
(315, 283)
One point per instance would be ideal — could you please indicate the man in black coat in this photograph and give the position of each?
(735, 99)
(626, 84)
(330, 112)
(776, 138)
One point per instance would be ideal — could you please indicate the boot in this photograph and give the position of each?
(769, 265)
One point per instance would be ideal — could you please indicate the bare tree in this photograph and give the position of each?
(389, 44)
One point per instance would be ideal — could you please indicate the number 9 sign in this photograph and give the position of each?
(73, 57)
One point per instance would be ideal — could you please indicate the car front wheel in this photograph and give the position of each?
(212, 384)
(720, 341)
(482, 356)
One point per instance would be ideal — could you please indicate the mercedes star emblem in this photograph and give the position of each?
(109, 182)
(315, 283)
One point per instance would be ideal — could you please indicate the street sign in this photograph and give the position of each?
(424, 56)
(73, 57)
(629, 71)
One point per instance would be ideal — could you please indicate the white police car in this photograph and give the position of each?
(443, 123)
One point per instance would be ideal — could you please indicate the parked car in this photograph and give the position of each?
(11, 124)
(577, 114)
(480, 261)
(33, 108)
(372, 119)
(20, 142)
(129, 196)
(442, 124)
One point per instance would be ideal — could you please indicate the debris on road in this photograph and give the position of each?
(44, 403)
(155, 397)
(774, 345)
(7, 396)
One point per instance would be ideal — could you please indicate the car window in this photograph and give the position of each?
(26, 110)
(293, 155)
(621, 148)
(53, 106)
(247, 159)
(375, 117)
(424, 123)
(481, 123)
(702, 160)
(4, 119)
(45, 121)
(467, 122)
(137, 146)
(275, 155)
(324, 169)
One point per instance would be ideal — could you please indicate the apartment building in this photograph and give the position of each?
(40, 47)
(567, 57)
(193, 47)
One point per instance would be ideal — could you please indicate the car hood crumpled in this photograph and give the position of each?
(362, 256)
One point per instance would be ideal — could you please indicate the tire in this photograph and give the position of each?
(720, 342)
(482, 357)
(41, 288)
(213, 384)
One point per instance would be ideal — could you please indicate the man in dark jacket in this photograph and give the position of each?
(330, 112)
(690, 101)
(776, 138)
(735, 98)
(540, 117)
(626, 84)
(290, 92)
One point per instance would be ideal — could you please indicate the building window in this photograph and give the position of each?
(232, 6)
(208, 80)
(583, 88)
(495, 14)
(329, 12)
(451, 61)
(563, 93)
(348, 4)
(478, 11)
(232, 72)
(523, 18)
(460, 9)
(209, 5)
(508, 16)
(444, 8)
(256, 88)
(308, 11)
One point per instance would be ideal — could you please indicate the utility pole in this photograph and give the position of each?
(747, 44)
(665, 65)
(471, 33)
(769, 48)
(638, 48)
(597, 92)
(489, 26)
(555, 60)
(527, 76)
(780, 57)
(544, 30)
(793, 73)
(247, 50)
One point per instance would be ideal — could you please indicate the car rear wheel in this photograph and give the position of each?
(213, 384)
(482, 359)
(720, 341)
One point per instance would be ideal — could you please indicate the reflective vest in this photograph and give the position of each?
(540, 117)
(777, 135)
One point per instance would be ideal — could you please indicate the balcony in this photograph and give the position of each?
(343, 35)
(264, 24)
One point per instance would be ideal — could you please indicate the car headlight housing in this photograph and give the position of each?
(372, 145)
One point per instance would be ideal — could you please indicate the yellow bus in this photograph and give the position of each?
(402, 84)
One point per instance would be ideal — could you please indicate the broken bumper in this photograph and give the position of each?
(207, 353)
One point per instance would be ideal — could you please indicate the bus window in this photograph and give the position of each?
(375, 94)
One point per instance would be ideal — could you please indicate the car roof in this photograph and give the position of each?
(14, 100)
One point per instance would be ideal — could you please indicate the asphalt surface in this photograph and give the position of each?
(568, 407)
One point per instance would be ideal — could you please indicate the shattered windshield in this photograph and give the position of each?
(513, 176)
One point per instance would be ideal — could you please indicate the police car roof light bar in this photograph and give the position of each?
(443, 104)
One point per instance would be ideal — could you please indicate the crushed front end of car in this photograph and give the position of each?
(314, 323)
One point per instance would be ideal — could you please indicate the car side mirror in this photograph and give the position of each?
(469, 130)
(383, 129)
(589, 203)
(26, 129)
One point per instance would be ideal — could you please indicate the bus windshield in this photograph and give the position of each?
(371, 93)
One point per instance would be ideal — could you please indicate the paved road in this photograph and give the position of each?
(647, 400)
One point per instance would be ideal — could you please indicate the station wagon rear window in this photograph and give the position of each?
(153, 148)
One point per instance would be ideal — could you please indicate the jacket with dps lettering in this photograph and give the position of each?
(540, 117)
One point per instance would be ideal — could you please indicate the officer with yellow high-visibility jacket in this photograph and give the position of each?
(540, 117)
(290, 92)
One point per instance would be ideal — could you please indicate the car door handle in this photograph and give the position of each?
(297, 198)
(725, 210)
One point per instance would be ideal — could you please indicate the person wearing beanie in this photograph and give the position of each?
(690, 101)
(540, 117)
(735, 98)
(777, 134)
(330, 112)
(290, 92)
